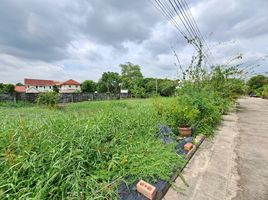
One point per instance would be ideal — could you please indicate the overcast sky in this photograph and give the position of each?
(62, 39)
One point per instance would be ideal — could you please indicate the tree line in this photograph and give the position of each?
(132, 80)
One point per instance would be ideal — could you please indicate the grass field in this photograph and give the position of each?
(81, 151)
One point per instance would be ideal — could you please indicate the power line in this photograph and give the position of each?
(186, 22)
(179, 9)
(197, 28)
(166, 11)
(198, 36)
(169, 16)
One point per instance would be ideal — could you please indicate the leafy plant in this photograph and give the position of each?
(265, 91)
(48, 98)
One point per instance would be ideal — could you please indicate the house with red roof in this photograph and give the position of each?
(39, 86)
(70, 86)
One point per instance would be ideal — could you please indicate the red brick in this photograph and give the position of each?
(188, 146)
(146, 189)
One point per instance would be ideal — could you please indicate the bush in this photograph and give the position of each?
(199, 108)
(167, 88)
(49, 99)
(138, 92)
(265, 92)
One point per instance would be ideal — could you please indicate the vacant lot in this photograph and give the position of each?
(81, 151)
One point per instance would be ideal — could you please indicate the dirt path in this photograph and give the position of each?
(234, 164)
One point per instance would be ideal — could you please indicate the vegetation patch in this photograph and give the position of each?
(84, 151)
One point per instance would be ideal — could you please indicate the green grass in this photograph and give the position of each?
(82, 151)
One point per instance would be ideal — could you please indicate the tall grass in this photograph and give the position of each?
(81, 152)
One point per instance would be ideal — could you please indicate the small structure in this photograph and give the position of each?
(124, 91)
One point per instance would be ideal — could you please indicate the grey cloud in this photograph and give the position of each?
(117, 21)
(43, 29)
(233, 19)
(34, 31)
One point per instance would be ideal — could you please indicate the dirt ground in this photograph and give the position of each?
(234, 164)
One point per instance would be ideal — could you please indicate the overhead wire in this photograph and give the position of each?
(184, 3)
(179, 10)
(183, 10)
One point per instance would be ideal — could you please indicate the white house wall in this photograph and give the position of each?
(70, 87)
(36, 89)
(40, 89)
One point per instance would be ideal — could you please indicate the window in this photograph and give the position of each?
(76, 86)
(49, 87)
(36, 87)
(44, 87)
(70, 86)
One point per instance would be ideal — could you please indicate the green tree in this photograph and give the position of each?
(1, 87)
(166, 87)
(109, 82)
(19, 84)
(88, 86)
(149, 85)
(7, 88)
(131, 76)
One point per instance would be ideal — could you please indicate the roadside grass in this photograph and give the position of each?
(82, 151)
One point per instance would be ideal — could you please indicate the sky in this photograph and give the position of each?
(66, 39)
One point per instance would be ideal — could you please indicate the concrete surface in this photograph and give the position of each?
(234, 164)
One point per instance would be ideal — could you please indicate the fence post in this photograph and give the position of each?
(15, 97)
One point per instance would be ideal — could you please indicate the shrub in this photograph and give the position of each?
(6, 88)
(138, 92)
(199, 108)
(49, 99)
(265, 92)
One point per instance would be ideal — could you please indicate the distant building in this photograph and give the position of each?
(70, 86)
(124, 91)
(40, 86)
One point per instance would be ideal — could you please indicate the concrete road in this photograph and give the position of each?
(234, 164)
